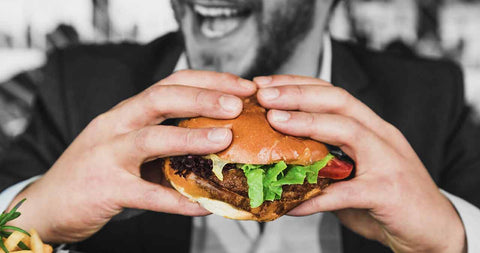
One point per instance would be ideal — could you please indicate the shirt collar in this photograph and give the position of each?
(325, 72)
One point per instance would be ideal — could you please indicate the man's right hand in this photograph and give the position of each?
(99, 173)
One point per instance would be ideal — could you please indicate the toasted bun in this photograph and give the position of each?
(229, 204)
(256, 142)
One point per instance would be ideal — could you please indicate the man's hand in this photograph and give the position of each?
(99, 174)
(392, 198)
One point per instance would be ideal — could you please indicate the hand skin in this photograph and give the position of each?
(99, 174)
(388, 201)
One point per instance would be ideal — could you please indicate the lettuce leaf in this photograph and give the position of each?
(265, 181)
(272, 192)
(254, 175)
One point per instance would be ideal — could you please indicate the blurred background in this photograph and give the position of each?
(30, 28)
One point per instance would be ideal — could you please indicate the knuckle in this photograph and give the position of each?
(189, 138)
(354, 132)
(176, 77)
(207, 100)
(202, 98)
(155, 92)
(313, 205)
(150, 197)
(155, 97)
(98, 122)
(297, 90)
(181, 204)
(393, 130)
(311, 120)
(97, 151)
(342, 97)
(100, 128)
(228, 77)
(299, 93)
(142, 140)
(312, 123)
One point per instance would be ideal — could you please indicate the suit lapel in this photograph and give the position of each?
(158, 60)
(346, 70)
(348, 73)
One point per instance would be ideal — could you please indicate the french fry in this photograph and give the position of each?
(26, 241)
(11, 244)
(47, 248)
(36, 244)
(13, 240)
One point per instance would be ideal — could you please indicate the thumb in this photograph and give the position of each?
(338, 196)
(140, 194)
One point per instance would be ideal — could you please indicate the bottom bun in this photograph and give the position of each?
(224, 202)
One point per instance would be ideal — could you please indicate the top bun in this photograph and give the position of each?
(256, 142)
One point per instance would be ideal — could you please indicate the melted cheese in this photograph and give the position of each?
(217, 165)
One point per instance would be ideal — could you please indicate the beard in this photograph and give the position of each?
(279, 38)
(279, 34)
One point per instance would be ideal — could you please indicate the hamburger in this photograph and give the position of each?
(261, 176)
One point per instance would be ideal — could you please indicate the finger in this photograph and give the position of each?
(338, 196)
(224, 82)
(314, 98)
(158, 103)
(140, 194)
(153, 142)
(282, 80)
(333, 100)
(347, 133)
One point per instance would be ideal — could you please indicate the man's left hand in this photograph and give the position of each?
(392, 198)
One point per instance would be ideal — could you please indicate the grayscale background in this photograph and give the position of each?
(30, 28)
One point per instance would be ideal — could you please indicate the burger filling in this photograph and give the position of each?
(260, 182)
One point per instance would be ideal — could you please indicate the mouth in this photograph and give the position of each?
(216, 19)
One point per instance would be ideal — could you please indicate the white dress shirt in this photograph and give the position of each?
(318, 233)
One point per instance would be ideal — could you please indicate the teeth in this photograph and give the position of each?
(217, 22)
(215, 12)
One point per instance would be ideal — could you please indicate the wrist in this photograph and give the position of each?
(32, 211)
(455, 239)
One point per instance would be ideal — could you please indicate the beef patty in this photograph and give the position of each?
(233, 178)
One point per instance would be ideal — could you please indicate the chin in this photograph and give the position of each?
(235, 64)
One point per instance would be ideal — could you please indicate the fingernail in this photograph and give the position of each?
(269, 93)
(263, 80)
(217, 135)
(230, 103)
(246, 84)
(280, 116)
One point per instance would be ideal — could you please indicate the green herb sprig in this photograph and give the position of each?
(5, 231)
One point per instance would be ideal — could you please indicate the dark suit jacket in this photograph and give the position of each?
(424, 99)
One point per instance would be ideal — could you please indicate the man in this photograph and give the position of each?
(97, 161)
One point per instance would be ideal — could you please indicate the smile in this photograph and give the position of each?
(220, 20)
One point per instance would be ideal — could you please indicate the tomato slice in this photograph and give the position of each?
(336, 169)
